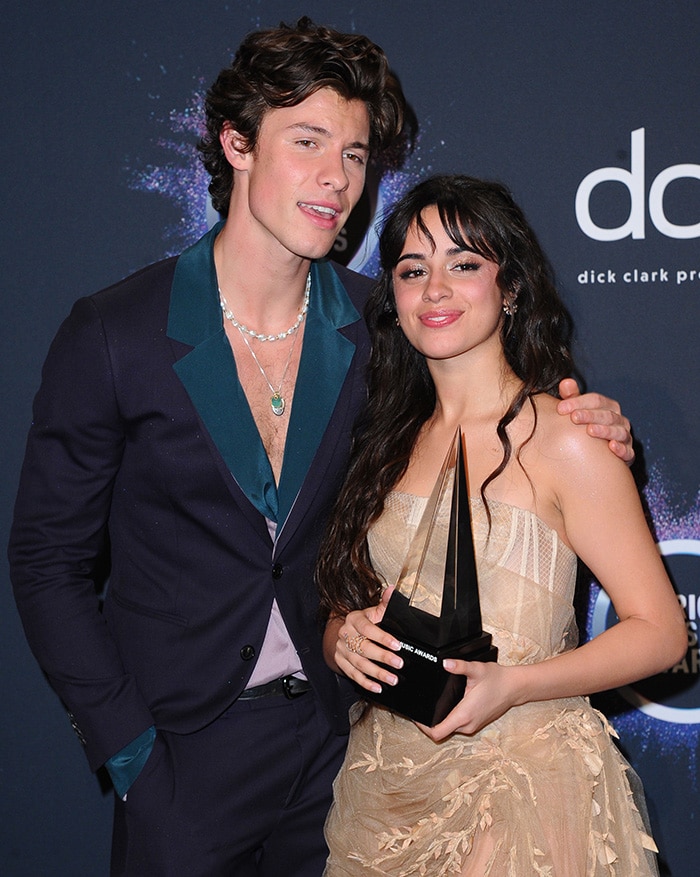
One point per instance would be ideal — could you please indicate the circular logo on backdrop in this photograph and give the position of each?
(672, 696)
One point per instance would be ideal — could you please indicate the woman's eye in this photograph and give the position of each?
(409, 273)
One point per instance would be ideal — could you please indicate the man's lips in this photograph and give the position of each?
(439, 318)
(328, 214)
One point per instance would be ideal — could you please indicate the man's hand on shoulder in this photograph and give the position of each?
(601, 416)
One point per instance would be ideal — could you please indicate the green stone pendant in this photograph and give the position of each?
(277, 403)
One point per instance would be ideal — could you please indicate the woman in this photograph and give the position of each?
(522, 776)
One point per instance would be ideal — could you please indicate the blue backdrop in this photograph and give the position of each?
(587, 111)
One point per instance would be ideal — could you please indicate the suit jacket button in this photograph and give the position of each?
(277, 571)
(247, 653)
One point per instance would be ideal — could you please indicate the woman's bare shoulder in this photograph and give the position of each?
(565, 455)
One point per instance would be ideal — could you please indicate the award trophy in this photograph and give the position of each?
(434, 610)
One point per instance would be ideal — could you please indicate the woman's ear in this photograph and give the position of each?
(510, 299)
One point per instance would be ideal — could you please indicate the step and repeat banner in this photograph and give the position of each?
(588, 112)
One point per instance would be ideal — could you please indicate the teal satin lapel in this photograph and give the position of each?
(208, 373)
(194, 304)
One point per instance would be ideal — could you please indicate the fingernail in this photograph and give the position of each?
(449, 664)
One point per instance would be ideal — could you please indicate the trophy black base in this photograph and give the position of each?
(426, 692)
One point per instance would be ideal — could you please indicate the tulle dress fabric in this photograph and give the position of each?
(541, 791)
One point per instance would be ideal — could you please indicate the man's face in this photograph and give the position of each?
(295, 190)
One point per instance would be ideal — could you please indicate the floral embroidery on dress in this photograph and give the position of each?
(542, 791)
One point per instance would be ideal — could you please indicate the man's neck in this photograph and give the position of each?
(262, 290)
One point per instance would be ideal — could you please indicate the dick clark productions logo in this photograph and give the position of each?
(634, 180)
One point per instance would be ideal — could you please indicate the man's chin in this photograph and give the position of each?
(316, 250)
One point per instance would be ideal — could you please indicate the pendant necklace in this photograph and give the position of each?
(277, 399)
(277, 402)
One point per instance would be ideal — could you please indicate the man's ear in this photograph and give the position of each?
(235, 147)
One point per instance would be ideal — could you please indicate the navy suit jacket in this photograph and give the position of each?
(135, 457)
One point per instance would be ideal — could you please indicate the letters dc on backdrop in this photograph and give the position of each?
(634, 181)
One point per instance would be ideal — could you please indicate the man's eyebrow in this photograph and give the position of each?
(324, 132)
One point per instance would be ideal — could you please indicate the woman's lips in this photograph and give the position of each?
(438, 319)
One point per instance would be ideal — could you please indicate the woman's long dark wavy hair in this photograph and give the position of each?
(401, 394)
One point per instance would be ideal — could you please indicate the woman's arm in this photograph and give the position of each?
(604, 522)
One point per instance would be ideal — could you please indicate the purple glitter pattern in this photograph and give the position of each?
(181, 177)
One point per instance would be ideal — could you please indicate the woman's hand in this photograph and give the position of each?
(359, 647)
(490, 692)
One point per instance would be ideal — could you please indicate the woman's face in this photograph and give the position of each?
(448, 300)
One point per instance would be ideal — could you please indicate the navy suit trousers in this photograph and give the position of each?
(246, 796)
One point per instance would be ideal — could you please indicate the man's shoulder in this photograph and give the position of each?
(357, 285)
(140, 299)
(350, 277)
(154, 279)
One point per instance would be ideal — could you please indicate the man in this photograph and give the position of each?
(193, 427)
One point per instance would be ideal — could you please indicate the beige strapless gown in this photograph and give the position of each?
(541, 791)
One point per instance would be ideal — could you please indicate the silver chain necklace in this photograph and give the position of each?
(277, 402)
(260, 335)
